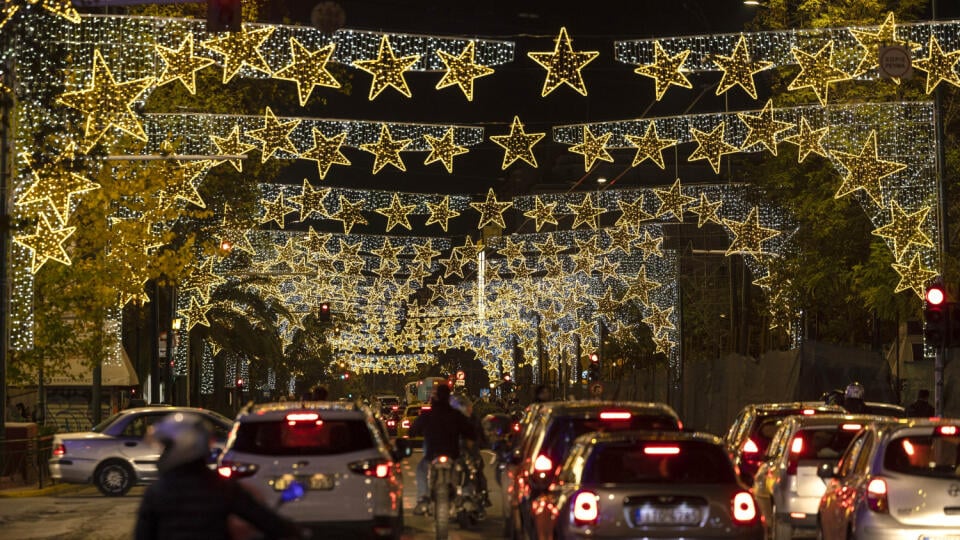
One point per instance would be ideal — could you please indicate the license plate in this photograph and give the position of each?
(647, 515)
(315, 482)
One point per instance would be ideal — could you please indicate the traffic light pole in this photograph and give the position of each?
(938, 381)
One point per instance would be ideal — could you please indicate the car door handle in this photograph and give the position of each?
(129, 443)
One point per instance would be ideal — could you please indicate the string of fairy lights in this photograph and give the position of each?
(489, 296)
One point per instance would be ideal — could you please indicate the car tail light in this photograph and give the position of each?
(391, 423)
(615, 415)
(542, 464)
(947, 431)
(661, 450)
(744, 508)
(851, 427)
(516, 427)
(796, 446)
(750, 449)
(808, 412)
(59, 450)
(405, 424)
(585, 508)
(232, 469)
(679, 425)
(395, 407)
(303, 418)
(908, 448)
(425, 408)
(375, 468)
(877, 495)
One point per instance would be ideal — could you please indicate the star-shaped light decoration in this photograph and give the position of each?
(672, 201)
(632, 213)
(640, 287)
(386, 150)
(231, 145)
(443, 149)
(817, 72)
(549, 249)
(233, 232)
(107, 103)
(275, 135)
(180, 64)
(711, 146)
(308, 69)
(54, 183)
(663, 344)
(311, 201)
(441, 213)
(586, 213)
(396, 213)
(563, 65)
(181, 184)
(511, 250)
(315, 244)
(350, 214)
(905, 229)
(706, 211)
(808, 140)
(939, 66)
(542, 213)
(518, 144)
(275, 210)
(592, 148)
(240, 49)
(913, 276)
(387, 70)
(424, 253)
(649, 246)
(665, 70)
(872, 41)
(659, 319)
(462, 70)
(865, 171)
(738, 69)
(388, 251)
(749, 235)
(649, 146)
(202, 280)
(326, 151)
(46, 244)
(196, 314)
(491, 210)
(622, 238)
(470, 250)
(60, 8)
(763, 128)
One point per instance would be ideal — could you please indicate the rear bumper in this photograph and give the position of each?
(884, 527)
(70, 471)
(753, 533)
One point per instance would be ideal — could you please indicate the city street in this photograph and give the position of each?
(86, 515)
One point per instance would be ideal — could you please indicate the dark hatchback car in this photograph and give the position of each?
(750, 435)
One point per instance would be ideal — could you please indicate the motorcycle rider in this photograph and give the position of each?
(463, 404)
(189, 500)
(441, 428)
(853, 399)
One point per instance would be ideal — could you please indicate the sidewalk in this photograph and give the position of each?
(10, 489)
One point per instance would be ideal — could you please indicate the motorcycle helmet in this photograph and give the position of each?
(185, 437)
(854, 391)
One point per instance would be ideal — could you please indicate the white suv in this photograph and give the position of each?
(336, 450)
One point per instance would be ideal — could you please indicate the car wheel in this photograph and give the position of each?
(113, 478)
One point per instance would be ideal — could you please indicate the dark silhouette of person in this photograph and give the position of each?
(921, 407)
(853, 399)
(541, 394)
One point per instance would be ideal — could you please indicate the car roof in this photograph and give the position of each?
(564, 408)
(639, 436)
(897, 424)
(795, 405)
(275, 411)
(832, 419)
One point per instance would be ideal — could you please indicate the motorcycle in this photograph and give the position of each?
(454, 494)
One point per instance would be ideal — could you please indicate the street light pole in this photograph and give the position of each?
(940, 358)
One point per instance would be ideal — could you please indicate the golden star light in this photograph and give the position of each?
(592, 148)
(491, 210)
(665, 70)
(650, 146)
(396, 213)
(180, 185)
(706, 211)
(672, 201)
(650, 245)
(659, 319)
(542, 213)
(865, 171)
(711, 146)
(443, 149)
(54, 183)
(386, 150)
(563, 65)
(326, 151)
(913, 276)
(203, 280)
(233, 231)
(763, 128)
(60, 8)
(663, 344)
(549, 249)
(240, 49)
(46, 244)
(350, 214)
(180, 64)
(749, 235)
(586, 213)
(196, 314)
(308, 69)
(462, 70)
(808, 140)
(387, 70)
(872, 41)
(817, 72)
(518, 144)
(905, 229)
(640, 287)
(738, 69)
(107, 103)
(275, 210)
(275, 135)
(939, 66)
(232, 146)
(441, 213)
(311, 200)
(622, 238)
(632, 213)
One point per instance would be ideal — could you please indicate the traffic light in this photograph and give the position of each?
(936, 320)
(223, 15)
(324, 312)
(240, 385)
(593, 371)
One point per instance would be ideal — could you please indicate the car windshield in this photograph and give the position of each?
(924, 455)
(288, 438)
(673, 462)
(105, 424)
(563, 430)
(766, 427)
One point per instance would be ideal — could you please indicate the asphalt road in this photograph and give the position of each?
(84, 514)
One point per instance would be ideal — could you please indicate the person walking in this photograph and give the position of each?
(921, 407)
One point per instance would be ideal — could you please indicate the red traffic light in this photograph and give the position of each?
(935, 295)
(594, 357)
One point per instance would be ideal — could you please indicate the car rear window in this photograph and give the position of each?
(683, 462)
(281, 438)
(766, 427)
(821, 442)
(924, 455)
(563, 430)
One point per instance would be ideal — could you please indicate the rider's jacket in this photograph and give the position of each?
(441, 428)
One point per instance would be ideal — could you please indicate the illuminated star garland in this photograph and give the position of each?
(865, 171)
(462, 70)
(939, 66)
(386, 151)
(817, 72)
(46, 243)
(308, 69)
(396, 213)
(181, 64)
(711, 146)
(739, 69)
(240, 49)
(518, 144)
(231, 145)
(593, 148)
(55, 184)
(387, 70)
(274, 136)
(649, 146)
(665, 70)
(491, 210)
(443, 149)
(763, 128)
(563, 65)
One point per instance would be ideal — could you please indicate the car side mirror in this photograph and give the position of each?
(826, 471)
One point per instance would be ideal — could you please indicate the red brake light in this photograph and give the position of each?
(615, 415)
(425, 408)
(405, 424)
(744, 508)
(679, 425)
(542, 464)
(585, 508)
(851, 427)
(376, 468)
(808, 412)
(59, 450)
(443, 459)
(908, 448)
(516, 427)
(877, 495)
(394, 407)
(661, 450)
(382, 470)
(947, 431)
(230, 469)
(750, 447)
(797, 445)
(302, 417)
